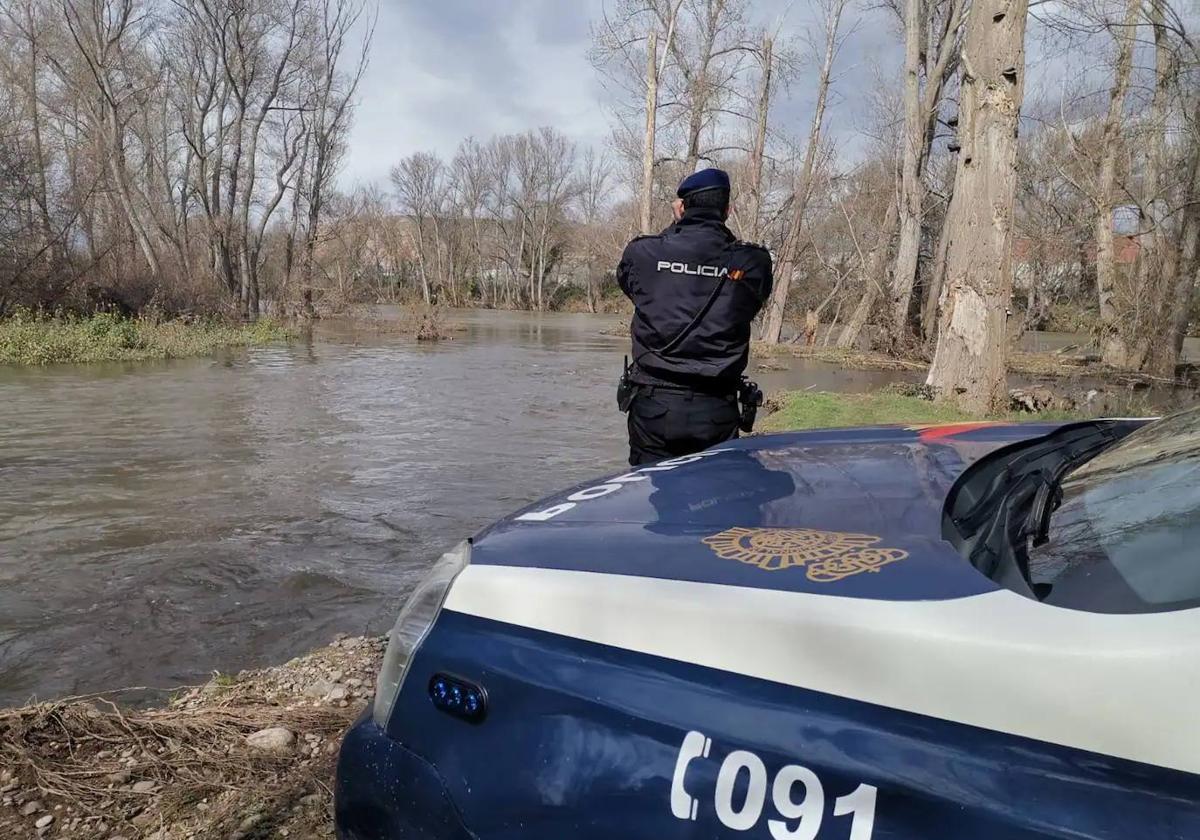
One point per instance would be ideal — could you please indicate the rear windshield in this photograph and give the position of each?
(1126, 538)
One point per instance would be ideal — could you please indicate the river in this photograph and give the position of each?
(159, 521)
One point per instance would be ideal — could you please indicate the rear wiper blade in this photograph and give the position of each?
(1045, 502)
(1049, 494)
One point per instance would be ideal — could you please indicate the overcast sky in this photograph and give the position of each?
(442, 70)
(445, 69)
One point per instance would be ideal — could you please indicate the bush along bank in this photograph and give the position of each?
(245, 756)
(34, 339)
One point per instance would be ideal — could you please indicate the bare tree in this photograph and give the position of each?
(417, 181)
(873, 269)
(655, 67)
(1112, 346)
(327, 95)
(793, 244)
(1123, 161)
(166, 136)
(647, 191)
(931, 42)
(700, 68)
(597, 245)
(759, 148)
(28, 26)
(105, 32)
(970, 363)
(472, 182)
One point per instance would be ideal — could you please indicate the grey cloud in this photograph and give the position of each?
(445, 69)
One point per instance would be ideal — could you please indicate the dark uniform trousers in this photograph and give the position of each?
(669, 422)
(696, 290)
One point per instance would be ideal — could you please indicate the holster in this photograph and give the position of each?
(750, 397)
(626, 389)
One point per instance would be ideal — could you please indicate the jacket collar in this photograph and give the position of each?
(706, 216)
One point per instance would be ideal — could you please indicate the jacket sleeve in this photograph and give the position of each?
(766, 277)
(625, 271)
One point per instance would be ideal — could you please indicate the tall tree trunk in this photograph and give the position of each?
(291, 241)
(1187, 278)
(920, 122)
(651, 123)
(590, 282)
(479, 272)
(1113, 347)
(969, 366)
(873, 272)
(1156, 267)
(911, 193)
(120, 176)
(701, 83)
(521, 262)
(1187, 260)
(937, 278)
(422, 271)
(792, 247)
(760, 142)
(541, 266)
(41, 196)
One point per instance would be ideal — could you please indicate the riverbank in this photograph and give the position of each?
(242, 756)
(1070, 362)
(32, 339)
(798, 410)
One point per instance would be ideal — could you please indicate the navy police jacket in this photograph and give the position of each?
(696, 289)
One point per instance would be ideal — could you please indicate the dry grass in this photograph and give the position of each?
(1052, 364)
(91, 763)
(68, 751)
(849, 359)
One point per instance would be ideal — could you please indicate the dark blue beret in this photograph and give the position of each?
(705, 179)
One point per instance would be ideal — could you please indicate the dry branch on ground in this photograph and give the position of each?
(99, 769)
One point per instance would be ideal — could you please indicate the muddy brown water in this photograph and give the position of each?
(159, 521)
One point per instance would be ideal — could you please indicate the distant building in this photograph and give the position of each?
(1061, 264)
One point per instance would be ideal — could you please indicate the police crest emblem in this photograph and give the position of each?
(826, 556)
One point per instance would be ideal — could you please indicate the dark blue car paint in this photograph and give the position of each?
(775, 479)
(933, 570)
(581, 742)
(384, 790)
(886, 482)
(581, 739)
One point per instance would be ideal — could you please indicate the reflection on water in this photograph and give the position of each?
(162, 520)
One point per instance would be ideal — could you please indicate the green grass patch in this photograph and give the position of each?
(824, 410)
(34, 339)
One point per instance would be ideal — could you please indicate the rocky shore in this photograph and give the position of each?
(243, 756)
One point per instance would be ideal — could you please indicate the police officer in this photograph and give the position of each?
(695, 290)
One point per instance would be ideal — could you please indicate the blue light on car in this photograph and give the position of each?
(458, 697)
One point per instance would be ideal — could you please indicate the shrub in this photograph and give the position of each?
(29, 338)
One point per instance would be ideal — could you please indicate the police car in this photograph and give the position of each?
(949, 633)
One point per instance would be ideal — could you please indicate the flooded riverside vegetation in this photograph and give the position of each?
(163, 519)
(28, 338)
